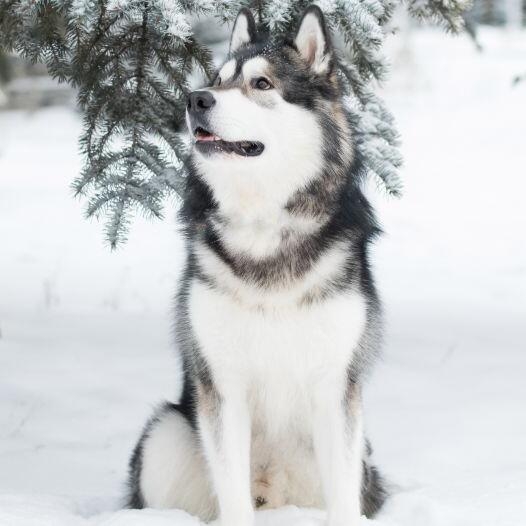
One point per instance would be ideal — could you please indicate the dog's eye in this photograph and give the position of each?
(261, 83)
(218, 81)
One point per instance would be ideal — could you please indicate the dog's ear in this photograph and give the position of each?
(313, 40)
(244, 31)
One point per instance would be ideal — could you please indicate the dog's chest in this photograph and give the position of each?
(277, 355)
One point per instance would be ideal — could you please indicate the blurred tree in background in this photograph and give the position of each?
(131, 61)
(4, 67)
(498, 12)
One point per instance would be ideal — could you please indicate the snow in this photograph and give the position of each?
(86, 341)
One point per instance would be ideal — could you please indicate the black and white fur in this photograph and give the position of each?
(278, 319)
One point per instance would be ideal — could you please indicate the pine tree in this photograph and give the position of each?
(4, 68)
(131, 60)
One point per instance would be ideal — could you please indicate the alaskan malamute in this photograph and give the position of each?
(278, 319)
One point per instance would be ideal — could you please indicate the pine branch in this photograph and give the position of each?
(132, 79)
(446, 13)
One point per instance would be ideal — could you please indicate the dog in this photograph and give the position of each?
(278, 320)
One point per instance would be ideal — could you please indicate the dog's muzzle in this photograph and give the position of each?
(206, 141)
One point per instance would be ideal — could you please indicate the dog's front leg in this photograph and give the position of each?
(224, 424)
(339, 444)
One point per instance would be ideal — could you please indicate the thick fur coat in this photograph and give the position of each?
(277, 318)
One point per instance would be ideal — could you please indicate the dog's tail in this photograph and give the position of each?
(374, 488)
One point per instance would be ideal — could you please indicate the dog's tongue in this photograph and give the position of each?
(205, 136)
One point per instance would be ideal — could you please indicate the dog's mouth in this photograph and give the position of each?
(206, 142)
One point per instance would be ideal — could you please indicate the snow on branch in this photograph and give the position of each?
(446, 13)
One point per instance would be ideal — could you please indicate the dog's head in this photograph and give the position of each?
(273, 117)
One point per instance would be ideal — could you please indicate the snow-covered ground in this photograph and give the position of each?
(85, 347)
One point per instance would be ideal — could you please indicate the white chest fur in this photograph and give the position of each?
(277, 355)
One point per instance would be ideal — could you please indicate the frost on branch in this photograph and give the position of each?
(132, 70)
(446, 13)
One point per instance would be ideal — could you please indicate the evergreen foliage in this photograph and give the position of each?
(5, 70)
(131, 60)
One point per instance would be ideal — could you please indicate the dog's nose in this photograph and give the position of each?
(200, 101)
